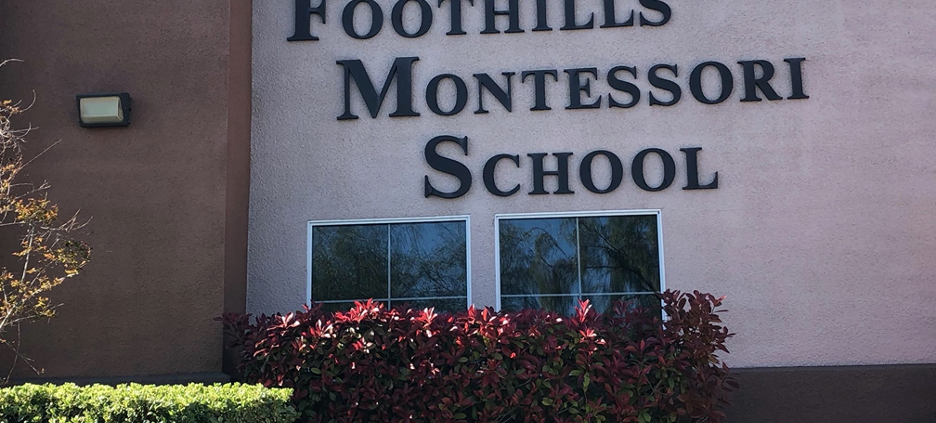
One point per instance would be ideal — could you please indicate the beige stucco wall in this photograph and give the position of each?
(822, 231)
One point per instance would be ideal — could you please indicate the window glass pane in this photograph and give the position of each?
(564, 305)
(567, 304)
(342, 307)
(620, 254)
(441, 305)
(554, 263)
(538, 256)
(603, 303)
(428, 260)
(349, 262)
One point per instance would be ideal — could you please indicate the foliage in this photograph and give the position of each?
(374, 365)
(231, 403)
(46, 254)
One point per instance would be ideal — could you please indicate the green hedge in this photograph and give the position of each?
(230, 403)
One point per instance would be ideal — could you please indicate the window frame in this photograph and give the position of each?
(579, 214)
(312, 224)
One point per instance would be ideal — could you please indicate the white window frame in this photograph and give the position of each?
(389, 221)
(562, 215)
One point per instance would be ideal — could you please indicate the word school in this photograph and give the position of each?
(460, 171)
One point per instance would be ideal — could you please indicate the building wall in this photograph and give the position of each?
(159, 193)
(820, 232)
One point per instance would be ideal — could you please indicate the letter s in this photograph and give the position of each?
(658, 6)
(447, 165)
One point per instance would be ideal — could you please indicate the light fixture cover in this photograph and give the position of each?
(97, 110)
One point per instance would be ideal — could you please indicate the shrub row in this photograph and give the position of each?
(375, 365)
(232, 403)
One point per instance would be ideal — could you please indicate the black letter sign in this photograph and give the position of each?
(432, 95)
(539, 84)
(570, 18)
(354, 71)
(447, 165)
(456, 27)
(347, 19)
(304, 12)
(669, 170)
(796, 78)
(752, 83)
(577, 87)
(625, 86)
(658, 6)
(695, 82)
(617, 172)
(692, 170)
(611, 19)
(664, 84)
(512, 13)
(561, 173)
(396, 17)
(490, 167)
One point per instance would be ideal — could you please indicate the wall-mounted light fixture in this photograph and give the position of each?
(99, 110)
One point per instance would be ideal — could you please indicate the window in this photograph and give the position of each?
(419, 263)
(551, 261)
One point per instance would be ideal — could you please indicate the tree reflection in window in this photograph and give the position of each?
(552, 263)
(419, 265)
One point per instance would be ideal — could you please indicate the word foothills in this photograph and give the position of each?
(618, 85)
(651, 13)
(455, 168)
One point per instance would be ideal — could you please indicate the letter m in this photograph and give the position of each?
(402, 70)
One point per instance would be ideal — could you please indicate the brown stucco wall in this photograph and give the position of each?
(167, 195)
(852, 394)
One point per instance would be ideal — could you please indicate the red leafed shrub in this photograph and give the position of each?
(375, 365)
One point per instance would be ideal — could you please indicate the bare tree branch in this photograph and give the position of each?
(47, 254)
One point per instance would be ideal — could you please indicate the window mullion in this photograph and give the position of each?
(389, 299)
(578, 255)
